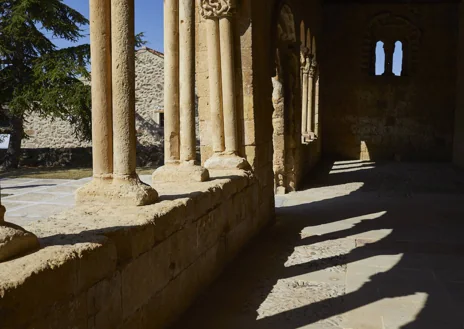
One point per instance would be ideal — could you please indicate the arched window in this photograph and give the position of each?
(379, 58)
(398, 58)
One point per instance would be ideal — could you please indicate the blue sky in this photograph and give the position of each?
(380, 58)
(148, 19)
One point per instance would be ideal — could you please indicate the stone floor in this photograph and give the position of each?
(30, 199)
(365, 246)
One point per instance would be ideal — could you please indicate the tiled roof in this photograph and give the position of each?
(154, 52)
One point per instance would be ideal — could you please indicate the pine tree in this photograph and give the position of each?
(36, 76)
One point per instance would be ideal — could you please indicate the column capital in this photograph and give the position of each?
(313, 68)
(305, 64)
(214, 9)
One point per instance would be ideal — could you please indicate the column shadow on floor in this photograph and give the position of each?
(426, 238)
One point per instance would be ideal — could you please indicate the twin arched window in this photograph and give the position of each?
(389, 58)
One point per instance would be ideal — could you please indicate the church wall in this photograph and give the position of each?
(387, 117)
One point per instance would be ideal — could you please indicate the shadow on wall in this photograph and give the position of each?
(267, 278)
(407, 150)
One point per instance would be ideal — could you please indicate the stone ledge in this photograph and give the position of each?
(92, 243)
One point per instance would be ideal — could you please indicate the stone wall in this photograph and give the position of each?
(132, 267)
(45, 133)
(458, 154)
(387, 117)
(262, 63)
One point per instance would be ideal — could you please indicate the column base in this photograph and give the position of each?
(14, 240)
(126, 191)
(180, 172)
(227, 162)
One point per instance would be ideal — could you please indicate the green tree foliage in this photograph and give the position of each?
(36, 76)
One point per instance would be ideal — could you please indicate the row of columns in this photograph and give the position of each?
(113, 98)
(112, 46)
(310, 96)
(179, 95)
(112, 43)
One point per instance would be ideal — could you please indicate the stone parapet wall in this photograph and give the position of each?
(132, 267)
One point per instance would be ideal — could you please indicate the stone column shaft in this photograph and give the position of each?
(102, 126)
(123, 70)
(171, 81)
(310, 106)
(389, 48)
(304, 104)
(187, 80)
(316, 107)
(228, 84)
(215, 85)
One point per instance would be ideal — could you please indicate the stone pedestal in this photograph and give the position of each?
(14, 240)
(227, 161)
(131, 192)
(180, 172)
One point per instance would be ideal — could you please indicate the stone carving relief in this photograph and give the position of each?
(217, 8)
(286, 26)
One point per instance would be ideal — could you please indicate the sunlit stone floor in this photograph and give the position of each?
(365, 246)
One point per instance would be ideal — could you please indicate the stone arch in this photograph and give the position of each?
(387, 27)
(285, 96)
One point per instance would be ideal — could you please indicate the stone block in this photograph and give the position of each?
(210, 228)
(51, 281)
(169, 219)
(70, 312)
(184, 249)
(104, 305)
(237, 238)
(96, 264)
(249, 129)
(144, 276)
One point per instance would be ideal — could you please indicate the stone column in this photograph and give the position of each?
(305, 65)
(113, 108)
(171, 81)
(14, 240)
(102, 122)
(219, 20)
(123, 61)
(311, 85)
(316, 107)
(228, 85)
(180, 138)
(187, 80)
(389, 47)
(215, 86)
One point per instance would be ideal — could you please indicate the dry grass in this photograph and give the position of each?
(59, 173)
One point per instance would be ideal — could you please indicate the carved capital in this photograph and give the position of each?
(305, 64)
(211, 9)
(313, 68)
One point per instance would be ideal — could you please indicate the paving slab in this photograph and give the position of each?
(29, 200)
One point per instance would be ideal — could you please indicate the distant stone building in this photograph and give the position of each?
(45, 133)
